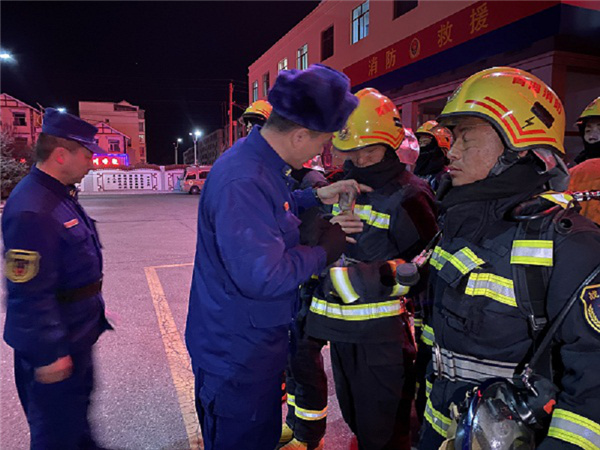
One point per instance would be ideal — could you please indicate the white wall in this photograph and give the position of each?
(139, 180)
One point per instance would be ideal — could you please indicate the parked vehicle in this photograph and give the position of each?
(194, 178)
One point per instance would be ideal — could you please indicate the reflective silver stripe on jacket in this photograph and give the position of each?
(457, 367)
(575, 429)
(492, 286)
(365, 311)
(536, 252)
(465, 259)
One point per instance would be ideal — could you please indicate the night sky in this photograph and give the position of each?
(173, 59)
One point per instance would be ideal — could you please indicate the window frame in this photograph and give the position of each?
(266, 83)
(254, 91)
(283, 66)
(360, 22)
(21, 116)
(330, 39)
(402, 7)
(302, 57)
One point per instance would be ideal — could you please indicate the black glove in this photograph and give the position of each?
(333, 240)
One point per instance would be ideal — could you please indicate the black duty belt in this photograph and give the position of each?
(74, 295)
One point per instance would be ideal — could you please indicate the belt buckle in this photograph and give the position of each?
(437, 359)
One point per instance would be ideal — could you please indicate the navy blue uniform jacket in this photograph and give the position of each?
(51, 247)
(249, 264)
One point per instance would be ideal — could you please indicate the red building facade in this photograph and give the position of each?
(417, 52)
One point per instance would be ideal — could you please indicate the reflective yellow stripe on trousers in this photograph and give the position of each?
(306, 414)
(575, 429)
(437, 420)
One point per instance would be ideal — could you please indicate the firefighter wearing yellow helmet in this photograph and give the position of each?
(513, 254)
(256, 114)
(586, 173)
(434, 145)
(358, 306)
(589, 130)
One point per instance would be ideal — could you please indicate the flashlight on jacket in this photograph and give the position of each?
(407, 274)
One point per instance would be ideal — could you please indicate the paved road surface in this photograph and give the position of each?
(144, 397)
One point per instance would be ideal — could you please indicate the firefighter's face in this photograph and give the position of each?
(591, 132)
(475, 150)
(364, 157)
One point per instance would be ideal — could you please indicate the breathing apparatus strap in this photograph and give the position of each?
(549, 335)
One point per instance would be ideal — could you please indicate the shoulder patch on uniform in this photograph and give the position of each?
(22, 265)
(71, 223)
(590, 296)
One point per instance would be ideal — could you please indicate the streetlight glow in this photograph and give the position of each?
(179, 140)
(6, 56)
(195, 136)
(61, 110)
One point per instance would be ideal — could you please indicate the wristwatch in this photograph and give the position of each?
(314, 191)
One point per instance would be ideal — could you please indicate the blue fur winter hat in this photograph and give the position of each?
(317, 98)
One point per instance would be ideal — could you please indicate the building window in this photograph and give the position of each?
(255, 91)
(360, 22)
(19, 119)
(401, 7)
(141, 127)
(142, 152)
(114, 145)
(327, 43)
(282, 65)
(302, 57)
(265, 84)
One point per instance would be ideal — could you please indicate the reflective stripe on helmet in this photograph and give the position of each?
(465, 260)
(532, 252)
(575, 429)
(456, 367)
(366, 311)
(438, 421)
(492, 286)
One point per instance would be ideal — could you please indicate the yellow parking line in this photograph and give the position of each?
(177, 357)
(168, 266)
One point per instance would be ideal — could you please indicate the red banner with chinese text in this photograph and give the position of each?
(469, 23)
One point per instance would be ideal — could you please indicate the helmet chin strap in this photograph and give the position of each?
(552, 164)
(506, 160)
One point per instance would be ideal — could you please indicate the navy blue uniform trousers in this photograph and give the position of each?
(238, 415)
(58, 412)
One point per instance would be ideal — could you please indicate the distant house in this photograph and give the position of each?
(21, 121)
(112, 140)
(124, 117)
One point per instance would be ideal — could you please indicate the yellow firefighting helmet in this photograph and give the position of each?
(524, 110)
(259, 110)
(375, 121)
(591, 110)
(442, 135)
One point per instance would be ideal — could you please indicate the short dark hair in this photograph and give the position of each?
(279, 123)
(46, 144)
